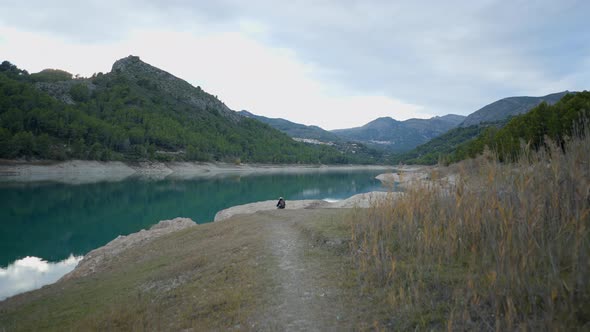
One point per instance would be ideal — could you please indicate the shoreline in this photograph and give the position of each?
(87, 171)
(92, 261)
(363, 200)
(98, 258)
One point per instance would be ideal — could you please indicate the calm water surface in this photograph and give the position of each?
(46, 226)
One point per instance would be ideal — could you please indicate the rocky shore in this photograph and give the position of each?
(85, 171)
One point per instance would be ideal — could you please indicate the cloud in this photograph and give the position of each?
(241, 71)
(32, 273)
(428, 57)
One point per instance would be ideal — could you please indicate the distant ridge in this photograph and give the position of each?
(295, 130)
(399, 136)
(317, 136)
(504, 108)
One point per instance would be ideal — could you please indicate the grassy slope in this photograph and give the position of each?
(212, 276)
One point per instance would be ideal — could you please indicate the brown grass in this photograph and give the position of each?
(507, 247)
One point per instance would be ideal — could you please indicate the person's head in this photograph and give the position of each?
(280, 198)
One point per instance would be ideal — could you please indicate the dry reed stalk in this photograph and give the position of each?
(506, 247)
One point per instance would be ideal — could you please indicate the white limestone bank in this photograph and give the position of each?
(419, 176)
(84, 171)
(361, 200)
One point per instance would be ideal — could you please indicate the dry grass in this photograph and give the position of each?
(506, 248)
(207, 277)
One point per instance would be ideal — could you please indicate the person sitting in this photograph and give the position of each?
(281, 203)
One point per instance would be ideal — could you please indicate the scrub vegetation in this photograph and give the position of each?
(506, 247)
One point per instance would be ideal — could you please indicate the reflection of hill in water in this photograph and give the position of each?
(52, 221)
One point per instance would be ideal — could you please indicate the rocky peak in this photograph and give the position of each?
(133, 67)
(136, 70)
(123, 64)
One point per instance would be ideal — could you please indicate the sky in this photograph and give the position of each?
(332, 63)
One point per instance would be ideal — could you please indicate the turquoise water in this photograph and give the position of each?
(46, 228)
(53, 221)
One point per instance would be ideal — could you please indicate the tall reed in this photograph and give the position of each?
(504, 247)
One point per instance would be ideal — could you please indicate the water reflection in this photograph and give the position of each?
(311, 192)
(32, 273)
(53, 220)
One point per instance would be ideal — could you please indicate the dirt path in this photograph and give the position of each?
(307, 295)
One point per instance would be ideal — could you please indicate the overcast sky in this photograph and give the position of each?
(335, 64)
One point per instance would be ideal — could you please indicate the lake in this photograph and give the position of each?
(45, 228)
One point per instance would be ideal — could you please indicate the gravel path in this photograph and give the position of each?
(307, 296)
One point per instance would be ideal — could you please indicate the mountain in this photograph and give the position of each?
(430, 152)
(504, 108)
(295, 130)
(399, 136)
(317, 136)
(552, 124)
(136, 112)
(465, 141)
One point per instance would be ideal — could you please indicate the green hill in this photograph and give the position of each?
(454, 144)
(555, 122)
(136, 112)
(507, 107)
(558, 122)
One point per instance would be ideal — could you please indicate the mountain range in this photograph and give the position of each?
(392, 136)
(384, 134)
(397, 136)
(139, 112)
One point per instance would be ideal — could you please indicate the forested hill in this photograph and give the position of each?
(507, 107)
(557, 122)
(136, 112)
(440, 147)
